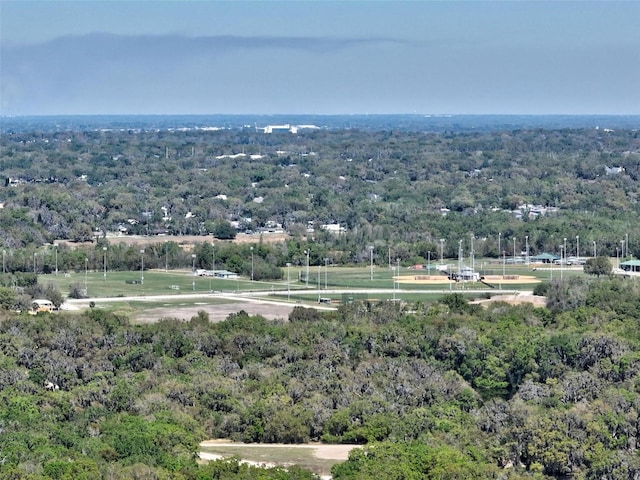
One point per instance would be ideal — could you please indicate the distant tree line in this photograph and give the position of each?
(385, 188)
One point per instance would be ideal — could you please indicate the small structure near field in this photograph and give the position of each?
(466, 274)
(41, 305)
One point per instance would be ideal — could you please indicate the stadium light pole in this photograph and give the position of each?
(472, 255)
(578, 248)
(396, 283)
(104, 263)
(371, 262)
(55, 246)
(514, 250)
(193, 271)
(306, 281)
(526, 248)
(86, 268)
(594, 249)
(288, 281)
(626, 242)
(442, 251)
(142, 267)
(326, 260)
(252, 264)
(213, 266)
(504, 263)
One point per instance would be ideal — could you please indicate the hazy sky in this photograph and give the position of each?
(320, 57)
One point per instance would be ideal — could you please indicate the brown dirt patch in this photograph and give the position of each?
(517, 299)
(186, 241)
(217, 312)
(321, 450)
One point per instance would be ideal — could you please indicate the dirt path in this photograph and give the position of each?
(320, 450)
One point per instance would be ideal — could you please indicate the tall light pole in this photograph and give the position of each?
(626, 242)
(104, 263)
(326, 260)
(142, 267)
(472, 254)
(86, 268)
(594, 249)
(562, 259)
(306, 281)
(499, 239)
(393, 277)
(617, 258)
(251, 263)
(622, 253)
(371, 262)
(396, 283)
(213, 266)
(429, 262)
(288, 281)
(578, 248)
(193, 271)
(213, 258)
(166, 256)
(55, 246)
(526, 248)
(442, 251)
(565, 250)
(514, 250)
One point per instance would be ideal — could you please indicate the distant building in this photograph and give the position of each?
(333, 228)
(613, 170)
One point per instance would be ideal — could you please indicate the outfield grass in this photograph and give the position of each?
(126, 284)
(176, 282)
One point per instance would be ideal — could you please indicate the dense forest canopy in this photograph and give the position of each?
(396, 189)
(504, 392)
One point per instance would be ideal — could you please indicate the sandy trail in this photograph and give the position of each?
(320, 450)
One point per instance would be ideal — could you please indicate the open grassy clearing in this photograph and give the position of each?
(317, 458)
(331, 282)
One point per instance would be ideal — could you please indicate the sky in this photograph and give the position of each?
(319, 57)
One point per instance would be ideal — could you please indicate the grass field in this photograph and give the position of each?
(332, 278)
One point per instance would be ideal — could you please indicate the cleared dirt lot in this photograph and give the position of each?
(217, 313)
(316, 457)
(186, 241)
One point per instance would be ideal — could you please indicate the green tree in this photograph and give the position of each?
(7, 298)
(223, 230)
(598, 266)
